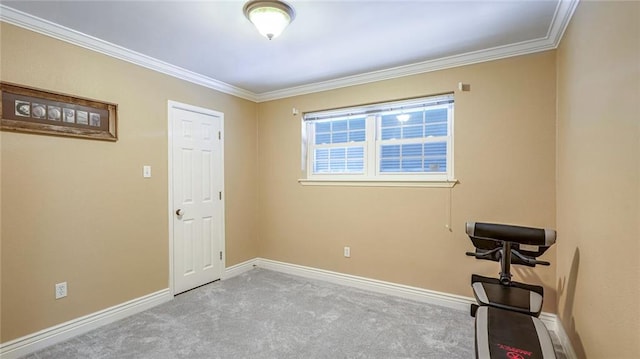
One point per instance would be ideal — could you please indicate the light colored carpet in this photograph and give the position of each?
(266, 314)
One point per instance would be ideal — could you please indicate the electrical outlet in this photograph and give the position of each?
(347, 252)
(61, 290)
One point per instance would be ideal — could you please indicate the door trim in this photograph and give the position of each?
(182, 106)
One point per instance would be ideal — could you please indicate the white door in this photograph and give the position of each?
(197, 208)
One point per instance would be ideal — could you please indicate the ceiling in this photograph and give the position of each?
(330, 44)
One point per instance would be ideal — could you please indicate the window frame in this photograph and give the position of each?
(346, 175)
(372, 174)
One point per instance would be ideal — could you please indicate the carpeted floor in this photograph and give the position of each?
(266, 314)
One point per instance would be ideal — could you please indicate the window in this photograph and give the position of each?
(402, 141)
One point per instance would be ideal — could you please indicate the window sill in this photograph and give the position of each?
(377, 183)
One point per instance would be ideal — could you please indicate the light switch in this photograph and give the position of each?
(146, 171)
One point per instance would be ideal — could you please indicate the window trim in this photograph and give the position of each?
(372, 176)
(377, 183)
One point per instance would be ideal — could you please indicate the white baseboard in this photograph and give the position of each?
(239, 268)
(56, 334)
(59, 333)
(551, 321)
(373, 285)
(564, 341)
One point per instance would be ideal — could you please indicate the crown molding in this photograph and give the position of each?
(469, 58)
(561, 18)
(559, 23)
(48, 28)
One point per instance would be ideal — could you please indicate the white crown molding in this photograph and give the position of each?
(560, 21)
(469, 58)
(48, 28)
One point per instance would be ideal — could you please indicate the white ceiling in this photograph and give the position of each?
(329, 44)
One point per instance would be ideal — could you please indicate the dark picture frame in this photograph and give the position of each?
(32, 110)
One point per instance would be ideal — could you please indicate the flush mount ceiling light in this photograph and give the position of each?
(269, 17)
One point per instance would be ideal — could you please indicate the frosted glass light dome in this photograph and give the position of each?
(269, 17)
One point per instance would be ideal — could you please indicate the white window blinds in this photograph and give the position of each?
(393, 141)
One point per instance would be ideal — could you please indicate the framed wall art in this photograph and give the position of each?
(31, 110)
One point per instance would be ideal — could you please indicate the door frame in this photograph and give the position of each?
(171, 207)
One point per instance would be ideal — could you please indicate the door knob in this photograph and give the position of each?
(179, 212)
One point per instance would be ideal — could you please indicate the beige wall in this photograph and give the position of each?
(504, 160)
(599, 180)
(78, 210)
